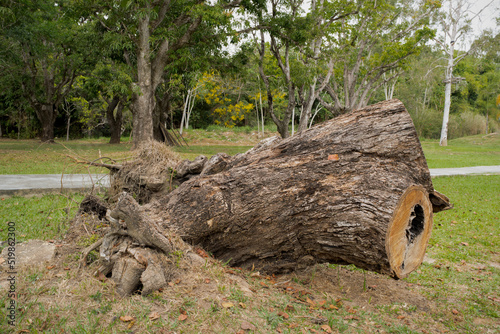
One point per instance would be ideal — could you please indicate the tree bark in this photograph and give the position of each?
(144, 103)
(47, 117)
(355, 189)
(115, 121)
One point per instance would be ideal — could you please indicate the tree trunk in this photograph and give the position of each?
(47, 117)
(115, 121)
(354, 190)
(144, 102)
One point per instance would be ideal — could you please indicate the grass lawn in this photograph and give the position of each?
(470, 151)
(455, 290)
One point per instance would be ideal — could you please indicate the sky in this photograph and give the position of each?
(487, 19)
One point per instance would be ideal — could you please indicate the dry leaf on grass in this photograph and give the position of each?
(154, 315)
(182, 317)
(126, 318)
(247, 326)
(227, 305)
(326, 328)
(283, 315)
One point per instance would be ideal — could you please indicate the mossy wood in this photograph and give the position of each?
(353, 190)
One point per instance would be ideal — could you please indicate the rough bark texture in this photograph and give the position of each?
(115, 120)
(355, 189)
(329, 193)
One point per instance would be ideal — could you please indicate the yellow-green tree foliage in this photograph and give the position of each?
(225, 95)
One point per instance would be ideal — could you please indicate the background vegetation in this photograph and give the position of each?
(72, 69)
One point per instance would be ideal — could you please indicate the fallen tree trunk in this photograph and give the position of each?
(355, 189)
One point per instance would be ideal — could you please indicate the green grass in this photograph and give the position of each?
(45, 217)
(474, 220)
(471, 151)
(33, 157)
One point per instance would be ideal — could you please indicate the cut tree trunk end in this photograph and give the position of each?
(353, 190)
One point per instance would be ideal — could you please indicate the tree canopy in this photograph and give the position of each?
(113, 67)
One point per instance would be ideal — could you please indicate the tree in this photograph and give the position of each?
(455, 25)
(372, 48)
(157, 31)
(340, 52)
(49, 53)
(110, 83)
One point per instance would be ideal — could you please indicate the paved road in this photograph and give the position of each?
(32, 184)
(465, 171)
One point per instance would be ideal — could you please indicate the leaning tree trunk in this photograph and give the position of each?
(355, 189)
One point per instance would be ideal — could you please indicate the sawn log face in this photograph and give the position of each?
(327, 194)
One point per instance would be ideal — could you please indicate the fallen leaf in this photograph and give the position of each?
(67, 268)
(326, 328)
(455, 312)
(310, 302)
(334, 157)
(2, 260)
(290, 308)
(241, 331)
(154, 315)
(464, 243)
(255, 274)
(264, 285)
(279, 330)
(401, 317)
(247, 326)
(495, 299)
(283, 315)
(242, 305)
(351, 317)
(201, 252)
(227, 305)
(131, 324)
(182, 317)
(51, 267)
(207, 280)
(332, 307)
(126, 318)
(100, 277)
